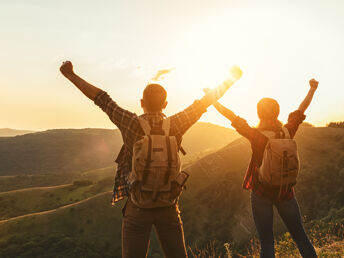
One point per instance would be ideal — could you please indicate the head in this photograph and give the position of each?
(268, 110)
(154, 98)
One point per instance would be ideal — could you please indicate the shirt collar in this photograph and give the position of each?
(154, 115)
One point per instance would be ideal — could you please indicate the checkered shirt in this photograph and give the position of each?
(127, 122)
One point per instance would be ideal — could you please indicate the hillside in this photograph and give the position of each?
(7, 132)
(205, 138)
(214, 208)
(59, 151)
(36, 199)
(22, 182)
(319, 189)
(76, 150)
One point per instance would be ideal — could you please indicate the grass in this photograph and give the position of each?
(17, 203)
(10, 183)
(284, 247)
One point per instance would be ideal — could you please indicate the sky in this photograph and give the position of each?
(120, 45)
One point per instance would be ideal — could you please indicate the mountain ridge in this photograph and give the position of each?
(9, 132)
(77, 150)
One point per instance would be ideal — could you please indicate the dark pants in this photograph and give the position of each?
(136, 228)
(289, 211)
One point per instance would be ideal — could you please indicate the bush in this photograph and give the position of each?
(336, 124)
(306, 124)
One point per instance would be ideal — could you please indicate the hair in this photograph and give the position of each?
(154, 97)
(268, 110)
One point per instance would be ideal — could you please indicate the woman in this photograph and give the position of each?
(263, 196)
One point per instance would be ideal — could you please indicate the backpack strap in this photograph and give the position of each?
(148, 160)
(166, 125)
(145, 126)
(286, 132)
(169, 160)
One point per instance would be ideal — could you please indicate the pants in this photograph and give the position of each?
(289, 211)
(136, 228)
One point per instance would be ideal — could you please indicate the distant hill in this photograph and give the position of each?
(205, 138)
(7, 132)
(59, 151)
(214, 206)
(75, 150)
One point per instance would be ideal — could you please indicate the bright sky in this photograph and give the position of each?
(119, 45)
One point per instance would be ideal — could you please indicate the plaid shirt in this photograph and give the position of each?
(127, 122)
(258, 142)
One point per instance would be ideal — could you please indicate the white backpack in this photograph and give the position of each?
(156, 179)
(280, 165)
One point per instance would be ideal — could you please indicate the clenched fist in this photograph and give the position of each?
(314, 84)
(67, 68)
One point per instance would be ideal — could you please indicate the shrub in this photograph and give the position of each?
(336, 124)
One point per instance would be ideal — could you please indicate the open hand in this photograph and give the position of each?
(206, 90)
(67, 68)
(314, 84)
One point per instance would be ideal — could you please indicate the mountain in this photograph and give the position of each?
(7, 132)
(59, 151)
(214, 208)
(205, 138)
(76, 150)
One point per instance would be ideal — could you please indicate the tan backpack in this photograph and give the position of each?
(280, 165)
(156, 179)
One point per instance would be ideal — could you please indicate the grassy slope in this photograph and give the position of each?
(214, 191)
(10, 183)
(31, 200)
(224, 206)
(87, 228)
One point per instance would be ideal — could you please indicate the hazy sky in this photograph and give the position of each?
(119, 45)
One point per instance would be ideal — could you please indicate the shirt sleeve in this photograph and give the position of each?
(257, 139)
(120, 117)
(294, 120)
(182, 121)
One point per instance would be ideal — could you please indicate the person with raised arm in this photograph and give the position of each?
(272, 171)
(148, 170)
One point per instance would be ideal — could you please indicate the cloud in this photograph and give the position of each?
(161, 74)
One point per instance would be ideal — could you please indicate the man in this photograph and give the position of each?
(137, 222)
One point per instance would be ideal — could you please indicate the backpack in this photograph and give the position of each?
(280, 165)
(156, 179)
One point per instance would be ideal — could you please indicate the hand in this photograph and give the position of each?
(67, 68)
(314, 84)
(206, 90)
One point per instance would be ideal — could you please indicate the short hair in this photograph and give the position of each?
(154, 97)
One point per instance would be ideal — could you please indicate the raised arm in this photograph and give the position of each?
(305, 103)
(120, 117)
(86, 88)
(214, 95)
(182, 121)
(229, 114)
